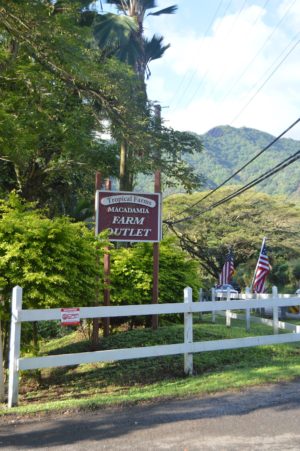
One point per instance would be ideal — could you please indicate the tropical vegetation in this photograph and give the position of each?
(226, 149)
(61, 91)
(69, 74)
(208, 233)
(53, 260)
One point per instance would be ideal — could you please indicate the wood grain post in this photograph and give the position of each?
(95, 329)
(157, 189)
(155, 290)
(106, 262)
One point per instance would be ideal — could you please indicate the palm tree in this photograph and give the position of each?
(125, 33)
(122, 35)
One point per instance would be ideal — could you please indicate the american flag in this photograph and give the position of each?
(227, 270)
(262, 270)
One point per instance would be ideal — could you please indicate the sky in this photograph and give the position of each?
(231, 62)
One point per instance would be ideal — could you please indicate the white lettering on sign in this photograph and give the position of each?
(129, 232)
(127, 210)
(128, 220)
(128, 199)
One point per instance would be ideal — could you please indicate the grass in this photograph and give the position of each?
(143, 380)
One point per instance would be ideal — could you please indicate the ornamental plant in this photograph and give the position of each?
(132, 269)
(53, 260)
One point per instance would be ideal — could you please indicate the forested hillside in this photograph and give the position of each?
(226, 149)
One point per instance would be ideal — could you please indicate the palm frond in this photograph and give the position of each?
(111, 27)
(168, 10)
(153, 48)
(116, 35)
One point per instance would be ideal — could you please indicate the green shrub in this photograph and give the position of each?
(132, 274)
(53, 260)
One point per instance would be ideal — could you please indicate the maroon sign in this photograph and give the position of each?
(129, 216)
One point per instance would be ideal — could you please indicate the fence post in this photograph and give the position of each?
(188, 331)
(14, 347)
(200, 299)
(275, 311)
(228, 312)
(247, 292)
(213, 298)
(1, 368)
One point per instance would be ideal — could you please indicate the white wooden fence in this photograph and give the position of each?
(188, 347)
(268, 310)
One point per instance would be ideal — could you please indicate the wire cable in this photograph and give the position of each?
(243, 167)
(194, 72)
(268, 78)
(208, 70)
(249, 64)
(259, 51)
(283, 164)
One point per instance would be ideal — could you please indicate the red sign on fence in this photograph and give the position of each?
(70, 316)
(129, 216)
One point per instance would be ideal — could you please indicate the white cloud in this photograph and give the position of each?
(292, 11)
(221, 78)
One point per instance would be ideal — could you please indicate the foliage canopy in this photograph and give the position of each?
(54, 261)
(240, 225)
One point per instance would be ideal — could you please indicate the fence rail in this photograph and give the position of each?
(187, 348)
(137, 310)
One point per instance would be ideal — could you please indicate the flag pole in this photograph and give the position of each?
(262, 246)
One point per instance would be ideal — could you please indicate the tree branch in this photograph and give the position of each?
(78, 85)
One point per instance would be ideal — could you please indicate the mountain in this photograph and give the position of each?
(226, 149)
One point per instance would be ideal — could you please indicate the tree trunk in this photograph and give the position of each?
(35, 337)
(123, 163)
(126, 174)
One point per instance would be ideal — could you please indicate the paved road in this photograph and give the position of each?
(267, 418)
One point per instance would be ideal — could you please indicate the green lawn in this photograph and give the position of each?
(132, 381)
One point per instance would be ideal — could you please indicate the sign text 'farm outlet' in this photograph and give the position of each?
(129, 216)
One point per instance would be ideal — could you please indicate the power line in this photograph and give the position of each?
(282, 165)
(214, 88)
(194, 72)
(249, 64)
(259, 51)
(225, 39)
(268, 78)
(241, 168)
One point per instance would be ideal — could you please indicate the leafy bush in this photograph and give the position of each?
(53, 260)
(132, 274)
